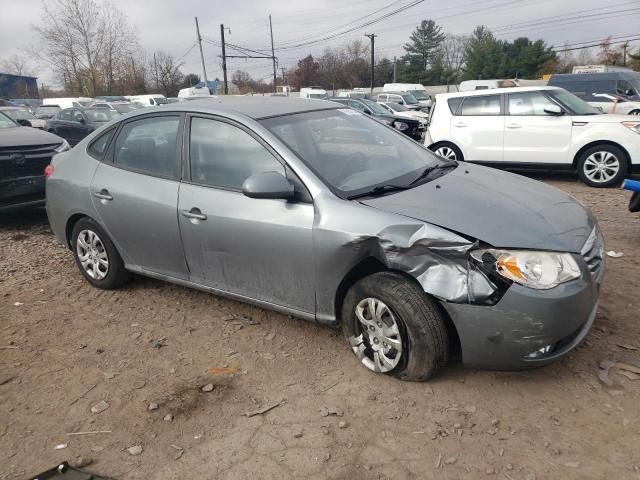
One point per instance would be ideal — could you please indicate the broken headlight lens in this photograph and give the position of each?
(402, 126)
(534, 269)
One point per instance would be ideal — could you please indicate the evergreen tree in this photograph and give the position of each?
(420, 64)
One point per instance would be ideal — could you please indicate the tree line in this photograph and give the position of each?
(94, 50)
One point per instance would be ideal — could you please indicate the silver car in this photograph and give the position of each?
(318, 211)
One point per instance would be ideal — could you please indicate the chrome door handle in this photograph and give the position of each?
(194, 214)
(514, 125)
(460, 124)
(103, 195)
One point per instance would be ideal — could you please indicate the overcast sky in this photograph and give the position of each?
(168, 25)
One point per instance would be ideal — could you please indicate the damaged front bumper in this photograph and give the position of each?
(527, 327)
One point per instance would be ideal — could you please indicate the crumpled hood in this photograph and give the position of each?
(496, 207)
(26, 136)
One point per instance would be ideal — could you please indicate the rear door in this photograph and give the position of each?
(533, 136)
(256, 248)
(478, 128)
(136, 194)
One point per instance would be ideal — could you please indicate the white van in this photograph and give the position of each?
(68, 102)
(313, 92)
(193, 92)
(414, 89)
(150, 100)
(470, 85)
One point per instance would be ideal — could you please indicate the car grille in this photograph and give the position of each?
(16, 162)
(593, 251)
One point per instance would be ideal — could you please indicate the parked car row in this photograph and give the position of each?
(328, 214)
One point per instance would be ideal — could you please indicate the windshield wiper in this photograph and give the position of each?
(379, 190)
(432, 168)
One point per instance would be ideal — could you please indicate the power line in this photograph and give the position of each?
(596, 45)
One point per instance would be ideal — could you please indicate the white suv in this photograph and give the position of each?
(535, 127)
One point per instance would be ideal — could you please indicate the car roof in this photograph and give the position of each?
(255, 107)
(494, 91)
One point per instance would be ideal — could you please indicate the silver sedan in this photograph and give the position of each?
(308, 208)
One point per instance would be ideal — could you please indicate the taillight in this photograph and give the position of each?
(48, 171)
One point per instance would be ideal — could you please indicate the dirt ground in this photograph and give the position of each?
(65, 347)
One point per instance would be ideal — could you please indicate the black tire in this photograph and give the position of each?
(423, 333)
(447, 145)
(116, 274)
(634, 112)
(584, 166)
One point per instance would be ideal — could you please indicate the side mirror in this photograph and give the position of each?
(82, 121)
(24, 123)
(553, 110)
(268, 185)
(629, 93)
(368, 112)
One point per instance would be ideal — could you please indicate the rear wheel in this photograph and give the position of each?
(394, 328)
(602, 166)
(96, 256)
(634, 112)
(447, 150)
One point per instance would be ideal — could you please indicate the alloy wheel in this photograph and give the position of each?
(446, 152)
(379, 345)
(601, 167)
(92, 254)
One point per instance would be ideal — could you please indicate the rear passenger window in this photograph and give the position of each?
(481, 105)
(223, 155)
(148, 146)
(98, 147)
(454, 104)
(528, 104)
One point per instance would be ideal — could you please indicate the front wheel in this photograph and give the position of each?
(394, 328)
(447, 150)
(602, 166)
(634, 112)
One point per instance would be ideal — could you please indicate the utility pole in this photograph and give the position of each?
(273, 56)
(394, 69)
(624, 53)
(372, 37)
(224, 61)
(204, 69)
(155, 68)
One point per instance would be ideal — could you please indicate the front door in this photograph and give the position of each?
(479, 128)
(136, 195)
(257, 248)
(533, 136)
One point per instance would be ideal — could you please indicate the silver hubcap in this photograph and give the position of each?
(379, 345)
(600, 167)
(446, 152)
(92, 254)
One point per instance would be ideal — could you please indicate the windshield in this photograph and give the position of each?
(123, 107)
(375, 107)
(420, 94)
(101, 115)
(19, 114)
(409, 99)
(47, 110)
(396, 107)
(573, 103)
(351, 152)
(6, 122)
(160, 100)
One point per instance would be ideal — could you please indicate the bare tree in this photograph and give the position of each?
(87, 43)
(16, 64)
(167, 73)
(452, 51)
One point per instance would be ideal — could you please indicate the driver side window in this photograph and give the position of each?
(77, 116)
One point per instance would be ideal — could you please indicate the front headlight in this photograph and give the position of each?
(63, 147)
(402, 126)
(635, 126)
(534, 269)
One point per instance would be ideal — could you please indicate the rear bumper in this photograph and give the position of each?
(527, 328)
